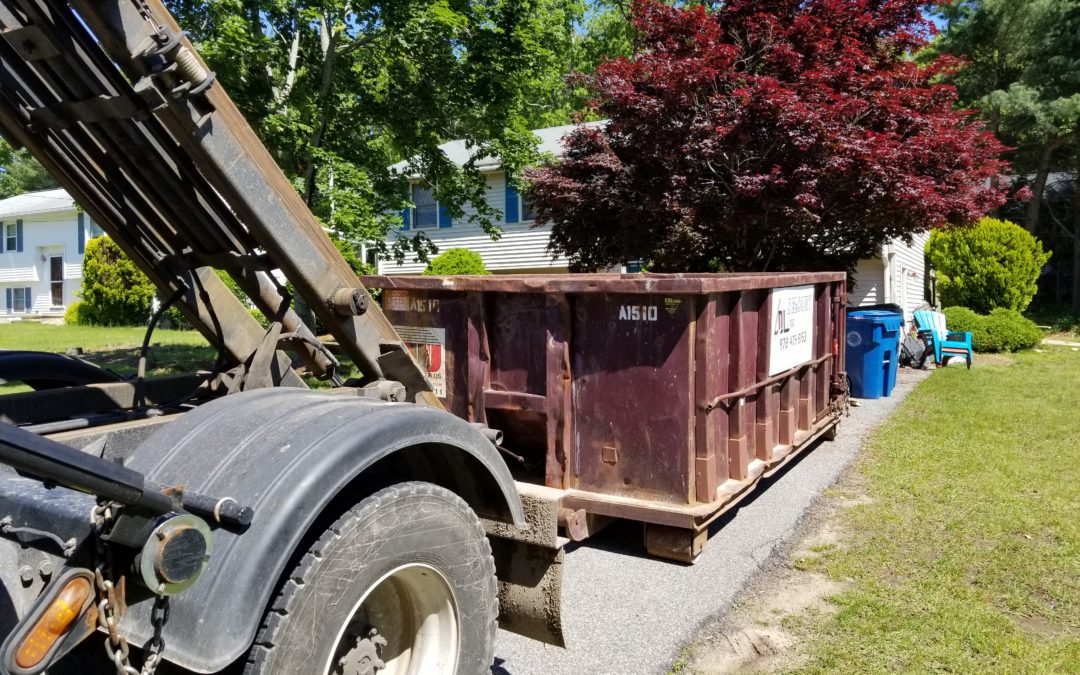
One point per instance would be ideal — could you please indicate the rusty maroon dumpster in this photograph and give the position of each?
(657, 398)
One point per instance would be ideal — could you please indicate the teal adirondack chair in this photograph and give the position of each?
(931, 326)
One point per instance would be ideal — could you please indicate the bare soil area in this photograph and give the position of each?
(761, 634)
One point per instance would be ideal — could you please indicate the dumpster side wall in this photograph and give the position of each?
(646, 398)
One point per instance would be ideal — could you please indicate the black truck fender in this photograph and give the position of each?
(40, 370)
(291, 454)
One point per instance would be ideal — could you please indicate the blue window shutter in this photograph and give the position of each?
(18, 236)
(28, 300)
(444, 217)
(82, 232)
(10, 301)
(3, 240)
(406, 213)
(513, 204)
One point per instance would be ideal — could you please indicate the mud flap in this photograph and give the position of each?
(529, 566)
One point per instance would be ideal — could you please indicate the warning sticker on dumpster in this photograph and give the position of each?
(428, 348)
(396, 301)
(792, 328)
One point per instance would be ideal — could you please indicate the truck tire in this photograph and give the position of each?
(403, 583)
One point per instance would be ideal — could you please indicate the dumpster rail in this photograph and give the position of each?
(658, 398)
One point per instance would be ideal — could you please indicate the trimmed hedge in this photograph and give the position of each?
(1003, 330)
(456, 262)
(74, 314)
(963, 320)
(993, 263)
(1012, 330)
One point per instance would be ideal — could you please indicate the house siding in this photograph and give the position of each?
(43, 235)
(909, 273)
(521, 247)
(901, 282)
(869, 283)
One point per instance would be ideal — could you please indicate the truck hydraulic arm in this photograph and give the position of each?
(116, 103)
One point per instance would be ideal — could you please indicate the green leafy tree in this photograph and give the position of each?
(1022, 58)
(604, 31)
(114, 291)
(993, 263)
(348, 252)
(20, 172)
(456, 262)
(7, 185)
(340, 91)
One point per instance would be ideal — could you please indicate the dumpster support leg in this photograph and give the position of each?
(674, 543)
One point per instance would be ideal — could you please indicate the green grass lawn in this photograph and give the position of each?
(967, 557)
(117, 349)
(171, 351)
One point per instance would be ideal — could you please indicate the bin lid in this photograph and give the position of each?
(891, 320)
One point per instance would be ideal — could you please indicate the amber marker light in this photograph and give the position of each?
(62, 612)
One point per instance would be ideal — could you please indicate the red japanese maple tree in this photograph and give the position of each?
(766, 135)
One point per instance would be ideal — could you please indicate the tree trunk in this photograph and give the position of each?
(328, 42)
(281, 94)
(1038, 188)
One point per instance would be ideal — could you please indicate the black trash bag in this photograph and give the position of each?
(913, 351)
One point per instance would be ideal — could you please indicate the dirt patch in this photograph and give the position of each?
(760, 634)
(993, 360)
(753, 650)
(1043, 628)
(755, 638)
(829, 537)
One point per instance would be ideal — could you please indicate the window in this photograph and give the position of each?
(88, 230)
(56, 280)
(426, 209)
(11, 237)
(93, 230)
(519, 208)
(527, 213)
(19, 300)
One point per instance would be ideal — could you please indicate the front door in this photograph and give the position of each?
(56, 280)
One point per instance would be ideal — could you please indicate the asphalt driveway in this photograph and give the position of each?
(626, 613)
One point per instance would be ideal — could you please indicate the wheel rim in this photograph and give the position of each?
(406, 623)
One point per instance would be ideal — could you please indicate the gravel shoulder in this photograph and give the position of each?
(626, 613)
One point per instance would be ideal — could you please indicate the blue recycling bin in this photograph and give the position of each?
(873, 339)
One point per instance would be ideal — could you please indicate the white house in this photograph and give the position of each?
(522, 248)
(897, 276)
(41, 252)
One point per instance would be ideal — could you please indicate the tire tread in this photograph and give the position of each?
(276, 619)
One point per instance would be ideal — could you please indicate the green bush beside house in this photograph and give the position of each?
(1003, 330)
(456, 262)
(990, 264)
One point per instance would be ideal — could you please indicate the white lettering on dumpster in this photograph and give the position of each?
(638, 313)
(792, 328)
(400, 301)
(428, 348)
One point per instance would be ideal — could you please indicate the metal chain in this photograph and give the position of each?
(160, 34)
(116, 646)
